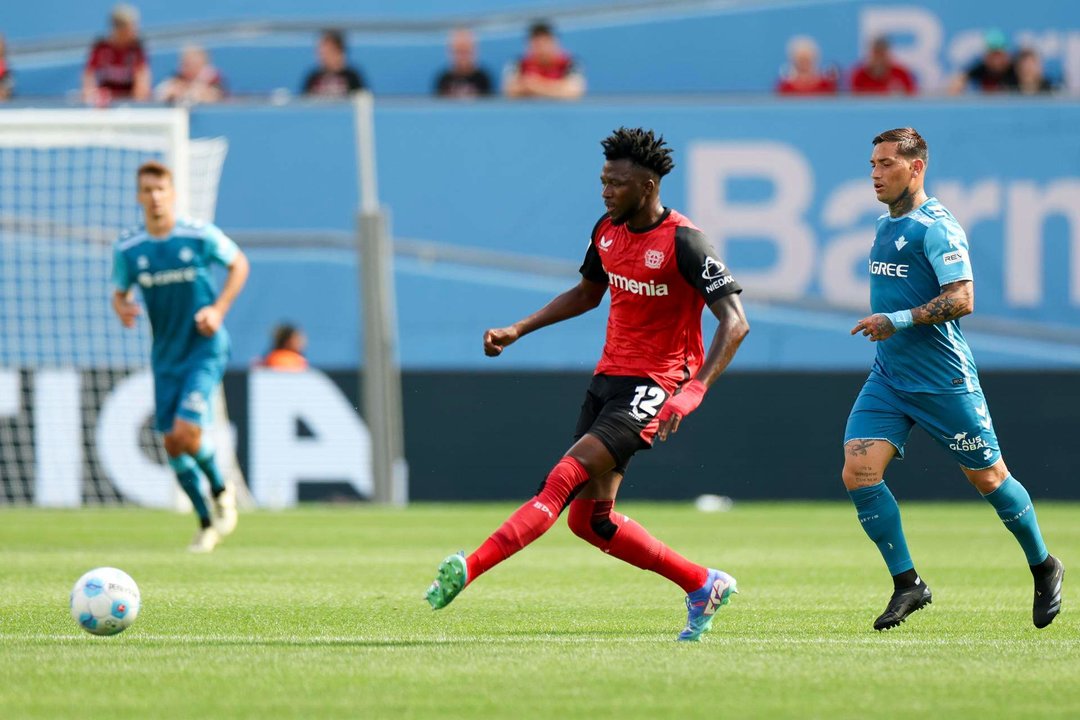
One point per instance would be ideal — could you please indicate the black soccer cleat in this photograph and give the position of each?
(903, 602)
(1047, 595)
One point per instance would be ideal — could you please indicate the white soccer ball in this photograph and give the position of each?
(105, 601)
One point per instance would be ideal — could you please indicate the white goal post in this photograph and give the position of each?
(74, 393)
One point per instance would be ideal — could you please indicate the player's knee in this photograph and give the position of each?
(191, 438)
(578, 517)
(594, 528)
(855, 475)
(988, 480)
(173, 446)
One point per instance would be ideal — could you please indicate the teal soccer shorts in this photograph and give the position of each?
(959, 422)
(187, 394)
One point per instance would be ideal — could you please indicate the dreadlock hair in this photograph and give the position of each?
(641, 147)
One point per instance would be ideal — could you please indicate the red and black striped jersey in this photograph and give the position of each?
(659, 279)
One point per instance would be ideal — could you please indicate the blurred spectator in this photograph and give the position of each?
(197, 81)
(803, 76)
(880, 73)
(117, 67)
(994, 72)
(287, 352)
(464, 78)
(1030, 79)
(7, 83)
(333, 78)
(546, 70)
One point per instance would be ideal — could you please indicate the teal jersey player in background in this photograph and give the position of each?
(924, 374)
(170, 260)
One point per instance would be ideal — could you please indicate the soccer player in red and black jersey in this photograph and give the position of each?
(660, 271)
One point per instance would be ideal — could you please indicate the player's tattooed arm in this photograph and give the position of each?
(955, 301)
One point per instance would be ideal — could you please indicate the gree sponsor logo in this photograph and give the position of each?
(889, 269)
(638, 287)
(167, 277)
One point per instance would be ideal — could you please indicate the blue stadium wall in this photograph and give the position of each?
(782, 188)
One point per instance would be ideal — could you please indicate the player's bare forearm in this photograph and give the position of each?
(234, 283)
(955, 301)
(578, 300)
(729, 336)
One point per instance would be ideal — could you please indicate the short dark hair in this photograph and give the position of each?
(335, 38)
(541, 28)
(154, 168)
(909, 143)
(283, 333)
(641, 147)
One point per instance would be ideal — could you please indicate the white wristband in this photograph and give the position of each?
(901, 319)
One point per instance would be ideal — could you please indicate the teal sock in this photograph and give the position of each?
(207, 461)
(188, 476)
(1013, 505)
(880, 518)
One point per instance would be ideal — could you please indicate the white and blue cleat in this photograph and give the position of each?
(702, 604)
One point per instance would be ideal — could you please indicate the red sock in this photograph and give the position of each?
(531, 520)
(621, 537)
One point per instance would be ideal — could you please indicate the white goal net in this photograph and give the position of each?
(75, 392)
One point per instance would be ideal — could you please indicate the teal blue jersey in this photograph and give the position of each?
(912, 258)
(173, 274)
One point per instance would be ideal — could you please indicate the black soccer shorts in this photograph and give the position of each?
(621, 412)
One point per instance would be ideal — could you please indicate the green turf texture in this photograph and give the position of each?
(319, 613)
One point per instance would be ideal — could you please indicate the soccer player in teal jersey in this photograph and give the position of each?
(924, 374)
(169, 258)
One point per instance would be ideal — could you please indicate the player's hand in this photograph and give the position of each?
(876, 327)
(679, 406)
(208, 320)
(128, 312)
(498, 338)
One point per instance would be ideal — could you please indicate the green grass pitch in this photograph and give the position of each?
(318, 613)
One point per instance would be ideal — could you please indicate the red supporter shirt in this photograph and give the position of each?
(659, 279)
(561, 67)
(114, 67)
(896, 80)
(821, 85)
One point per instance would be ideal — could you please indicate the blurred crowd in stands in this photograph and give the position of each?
(117, 70)
(996, 71)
